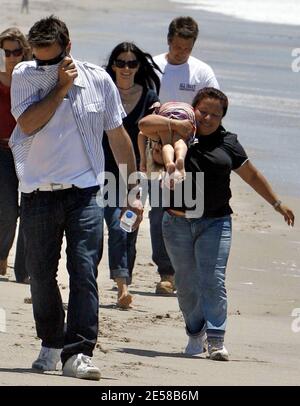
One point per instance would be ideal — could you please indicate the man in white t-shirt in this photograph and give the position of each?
(182, 74)
(182, 77)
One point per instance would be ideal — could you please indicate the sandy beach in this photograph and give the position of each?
(143, 346)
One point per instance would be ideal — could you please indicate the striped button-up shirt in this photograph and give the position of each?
(95, 103)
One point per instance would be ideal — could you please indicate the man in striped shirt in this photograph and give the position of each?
(62, 107)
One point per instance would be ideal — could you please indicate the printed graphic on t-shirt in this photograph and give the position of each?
(187, 86)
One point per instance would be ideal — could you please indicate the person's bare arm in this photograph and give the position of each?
(122, 148)
(154, 125)
(38, 114)
(142, 151)
(251, 175)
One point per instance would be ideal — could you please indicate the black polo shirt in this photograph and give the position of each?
(216, 155)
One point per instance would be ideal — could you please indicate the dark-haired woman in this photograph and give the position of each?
(198, 241)
(133, 72)
(16, 49)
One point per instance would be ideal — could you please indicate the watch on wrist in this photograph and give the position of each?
(277, 204)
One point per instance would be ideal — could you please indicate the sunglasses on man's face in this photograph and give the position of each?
(15, 52)
(47, 62)
(119, 63)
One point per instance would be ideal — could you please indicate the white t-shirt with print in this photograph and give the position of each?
(182, 82)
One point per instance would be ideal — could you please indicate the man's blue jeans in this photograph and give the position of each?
(47, 216)
(159, 253)
(199, 250)
(9, 212)
(121, 246)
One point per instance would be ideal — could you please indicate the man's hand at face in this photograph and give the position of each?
(67, 73)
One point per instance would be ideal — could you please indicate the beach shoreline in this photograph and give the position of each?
(143, 346)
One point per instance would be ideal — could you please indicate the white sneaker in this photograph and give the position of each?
(196, 345)
(217, 353)
(80, 366)
(47, 359)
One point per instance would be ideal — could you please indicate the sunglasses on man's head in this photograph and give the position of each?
(15, 52)
(47, 62)
(119, 63)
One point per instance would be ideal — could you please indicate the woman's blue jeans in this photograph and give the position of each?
(121, 246)
(199, 250)
(47, 216)
(9, 213)
(159, 253)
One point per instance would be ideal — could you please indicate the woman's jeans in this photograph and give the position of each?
(159, 253)
(199, 250)
(121, 246)
(9, 212)
(47, 216)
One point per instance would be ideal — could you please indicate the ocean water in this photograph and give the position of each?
(252, 56)
(267, 11)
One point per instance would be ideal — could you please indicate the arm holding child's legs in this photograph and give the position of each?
(152, 125)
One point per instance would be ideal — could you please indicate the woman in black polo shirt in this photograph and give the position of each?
(198, 241)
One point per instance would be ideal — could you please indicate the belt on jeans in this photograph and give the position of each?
(53, 187)
(177, 213)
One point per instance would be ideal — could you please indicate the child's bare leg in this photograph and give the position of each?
(167, 151)
(168, 158)
(180, 149)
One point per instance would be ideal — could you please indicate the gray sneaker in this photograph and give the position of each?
(80, 366)
(196, 345)
(47, 359)
(217, 351)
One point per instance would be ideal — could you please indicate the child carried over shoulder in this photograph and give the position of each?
(166, 148)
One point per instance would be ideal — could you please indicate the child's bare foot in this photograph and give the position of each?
(179, 174)
(124, 301)
(169, 178)
(170, 167)
(175, 173)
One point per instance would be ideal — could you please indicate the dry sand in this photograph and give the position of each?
(143, 346)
